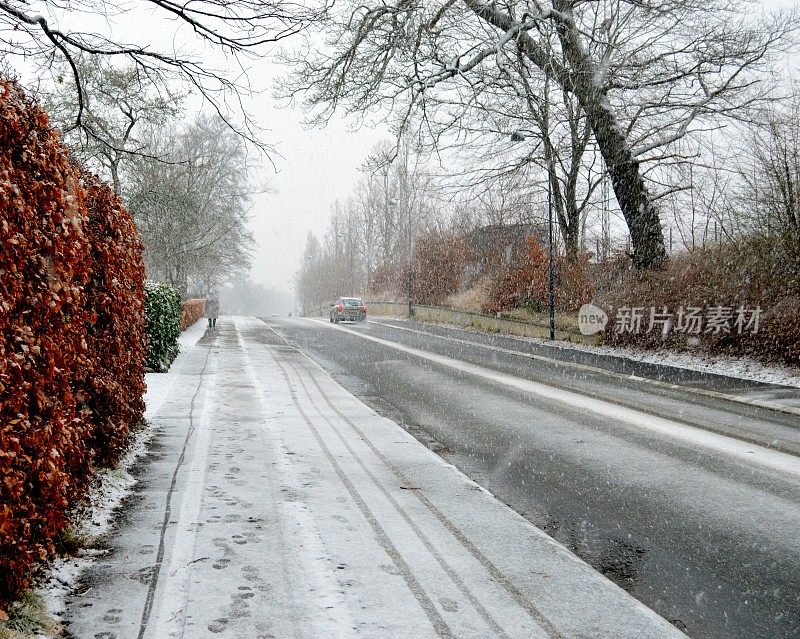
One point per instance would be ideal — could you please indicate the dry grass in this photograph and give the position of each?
(385, 296)
(748, 273)
(28, 617)
(473, 299)
(564, 321)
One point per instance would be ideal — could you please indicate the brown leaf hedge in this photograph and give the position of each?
(116, 338)
(191, 311)
(72, 338)
(528, 284)
(749, 272)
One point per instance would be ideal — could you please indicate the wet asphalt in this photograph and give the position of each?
(709, 542)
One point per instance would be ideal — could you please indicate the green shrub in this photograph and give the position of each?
(162, 311)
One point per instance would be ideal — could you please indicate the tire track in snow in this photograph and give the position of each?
(336, 624)
(449, 571)
(434, 616)
(497, 575)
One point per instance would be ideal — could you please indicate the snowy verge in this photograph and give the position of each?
(110, 488)
(159, 385)
(192, 335)
(743, 367)
(739, 367)
(90, 524)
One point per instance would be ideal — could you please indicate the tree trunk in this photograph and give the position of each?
(571, 231)
(637, 208)
(566, 216)
(114, 166)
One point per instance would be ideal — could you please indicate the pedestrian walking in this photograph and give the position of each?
(212, 309)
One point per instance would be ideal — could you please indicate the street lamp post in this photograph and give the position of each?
(552, 259)
(518, 136)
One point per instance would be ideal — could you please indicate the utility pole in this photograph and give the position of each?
(518, 136)
(605, 219)
(408, 277)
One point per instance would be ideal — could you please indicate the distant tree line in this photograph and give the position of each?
(241, 296)
(407, 225)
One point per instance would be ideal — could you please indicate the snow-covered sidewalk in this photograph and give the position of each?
(159, 385)
(276, 504)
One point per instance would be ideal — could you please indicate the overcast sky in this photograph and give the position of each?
(317, 167)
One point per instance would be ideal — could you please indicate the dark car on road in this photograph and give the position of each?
(348, 309)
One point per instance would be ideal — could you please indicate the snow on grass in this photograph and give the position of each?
(726, 365)
(92, 522)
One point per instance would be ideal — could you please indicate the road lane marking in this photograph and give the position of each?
(750, 453)
(774, 444)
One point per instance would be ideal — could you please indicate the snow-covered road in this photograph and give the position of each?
(276, 504)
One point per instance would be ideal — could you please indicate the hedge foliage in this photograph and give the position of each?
(163, 314)
(528, 284)
(71, 334)
(191, 311)
(750, 272)
(116, 337)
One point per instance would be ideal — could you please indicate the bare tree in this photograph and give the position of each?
(366, 204)
(770, 175)
(241, 30)
(406, 201)
(119, 104)
(311, 285)
(192, 210)
(644, 74)
(551, 140)
(373, 230)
